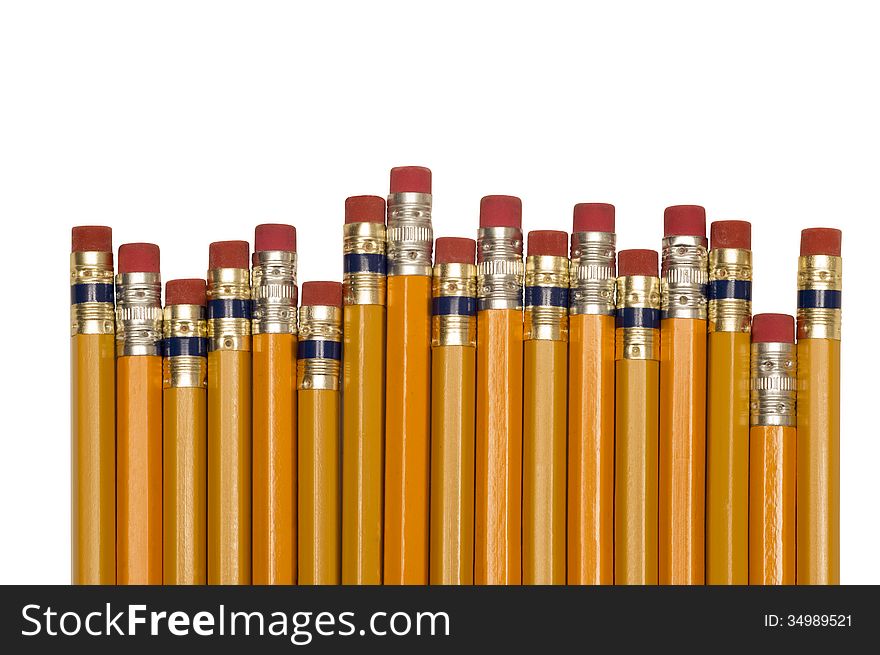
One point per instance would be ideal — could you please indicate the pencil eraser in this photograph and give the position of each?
(410, 179)
(189, 291)
(321, 293)
(684, 220)
(274, 236)
(91, 238)
(228, 254)
(730, 234)
(551, 243)
(772, 328)
(455, 250)
(593, 217)
(138, 258)
(638, 262)
(365, 209)
(821, 241)
(501, 211)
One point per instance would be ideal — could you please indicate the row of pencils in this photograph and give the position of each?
(454, 412)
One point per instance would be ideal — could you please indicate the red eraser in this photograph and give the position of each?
(364, 209)
(821, 241)
(552, 243)
(772, 328)
(91, 238)
(274, 236)
(593, 217)
(455, 250)
(228, 254)
(138, 258)
(501, 211)
(730, 234)
(189, 291)
(638, 262)
(410, 179)
(321, 293)
(684, 220)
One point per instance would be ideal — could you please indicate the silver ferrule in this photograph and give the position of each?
(773, 384)
(410, 237)
(684, 277)
(822, 275)
(728, 313)
(138, 314)
(229, 332)
(360, 286)
(638, 342)
(321, 323)
(543, 320)
(91, 317)
(457, 281)
(592, 273)
(500, 268)
(180, 371)
(274, 289)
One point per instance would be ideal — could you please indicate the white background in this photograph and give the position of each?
(187, 122)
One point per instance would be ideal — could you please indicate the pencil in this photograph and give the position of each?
(636, 397)
(93, 407)
(363, 389)
(727, 434)
(545, 367)
(318, 359)
(498, 483)
(591, 396)
(184, 434)
(820, 275)
(274, 405)
(772, 457)
(453, 365)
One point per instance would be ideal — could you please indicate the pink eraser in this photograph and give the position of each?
(321, 293)
(593, 217)
(228, 254)
(730, 234)
(551, 243)
(138, 258)
(454, 250)
(410, 179)
(772, 328)
(684, 220)
(274, 236)
(638, 262)
(501, 211)
(821, 241)
(91, 238)
(364, 209)
(190, 291)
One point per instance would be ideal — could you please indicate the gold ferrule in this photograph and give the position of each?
(642, 341)
(229, 333)
(91, 317)
(500, 268)
(544, 319)
(819, 276)
(274, 292)
(684, 277)
(728, 314)
(185, 371)
(592, 273)
(319, 323)
(410, 237)
(459, 328)
(773, 384)
(185, 321)
(364, 287)
(138, 314)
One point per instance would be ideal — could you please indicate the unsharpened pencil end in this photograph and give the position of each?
(772, 328)
(551, 243)
(190, 291)
(228, 254)
(501, 211)
(821, 241)
(365, 209)
(455, 250)
(275, 236)
(138, 258)
(91, 238)
(593, 217)
(321, 293)
(638, 262)
(684, 220)
(410, 179)
(731, 234)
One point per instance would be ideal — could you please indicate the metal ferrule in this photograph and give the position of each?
(91, 293)
(500, 268)
(454, 309)
(274, 291)
(730, 290)
(229, 309)
(684, 277)
(364, 264)
(410, 237)
(138, 314)
(638, 317)
(773, 384)
(546, 299)
(184, 347)
(319, 351)
(592, 273)
(820, 286)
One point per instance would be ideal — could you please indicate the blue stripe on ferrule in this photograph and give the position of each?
(546, 296)
(644, 317)
(229, 308)
(454, 306)
(816, 299)
(319, 349)
(80, 293)
(730, 290)
(363, 263)
(185, 346)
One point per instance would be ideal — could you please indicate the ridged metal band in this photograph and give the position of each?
(319, 323)
(684, 277)
(773, 384)
(410, 237)
(592, 273)
(138, 314)
(819, 276)
(94, 317)
(274, 292)
(638, 292)
(229, 333)
(454, 329)
(180, 371)
(545, 321)
(500, 268)
(363, 287)
(730, 266)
